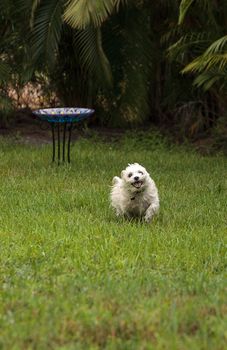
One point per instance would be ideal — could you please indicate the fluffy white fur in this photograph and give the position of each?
(135, 193)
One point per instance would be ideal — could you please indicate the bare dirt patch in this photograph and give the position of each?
(25, 128)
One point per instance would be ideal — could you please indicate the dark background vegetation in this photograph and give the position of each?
(137, 62)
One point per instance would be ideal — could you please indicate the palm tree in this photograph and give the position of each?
(199, 48)
(95, 50)
(111, 54)
(206, 42)
(209, 65)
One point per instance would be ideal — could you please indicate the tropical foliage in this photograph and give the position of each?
(134, 61)
(207, 47)
(14, 51)
(6, 33)
(201, 49)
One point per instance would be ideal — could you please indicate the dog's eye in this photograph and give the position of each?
(130, 174)
(140, 172)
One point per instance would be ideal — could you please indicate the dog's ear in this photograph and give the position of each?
(122, 173)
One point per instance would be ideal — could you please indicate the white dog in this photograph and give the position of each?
(135, 193)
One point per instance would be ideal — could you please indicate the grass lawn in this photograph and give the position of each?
(73, 276)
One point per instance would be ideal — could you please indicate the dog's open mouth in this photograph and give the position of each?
(137, 184)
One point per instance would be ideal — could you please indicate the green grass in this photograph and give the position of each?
(73, 276)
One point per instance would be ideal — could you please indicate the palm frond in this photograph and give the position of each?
(211, 66)
(92, 56)
(170, 35)
(117, 3)
(47, 29)
(184, 6)
(196, 41)
(35, 5)
(81, 13)
(206, 62)
(208, 78)
(217, 46)
(214, 56)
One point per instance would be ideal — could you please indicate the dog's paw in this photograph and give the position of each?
(115, 180)
(148, 218)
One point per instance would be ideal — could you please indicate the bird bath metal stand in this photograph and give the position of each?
(66, 117)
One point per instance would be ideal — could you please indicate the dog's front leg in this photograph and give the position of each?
(118, 212)
(151, 210)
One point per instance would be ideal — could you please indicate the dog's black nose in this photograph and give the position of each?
(136, 178)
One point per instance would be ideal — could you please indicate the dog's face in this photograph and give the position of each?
(135, 177)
